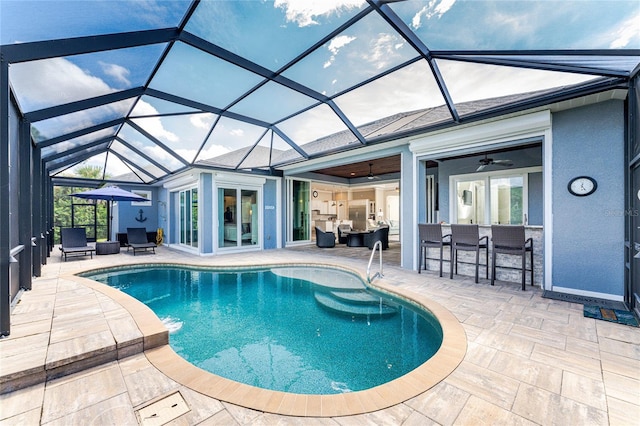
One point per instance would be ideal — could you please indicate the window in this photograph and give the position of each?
(507, 200)
(145, 194)
(490, 198)
(470, 201)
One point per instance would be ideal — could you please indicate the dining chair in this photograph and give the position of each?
(467, 238)
(430, 235)
(511, 240)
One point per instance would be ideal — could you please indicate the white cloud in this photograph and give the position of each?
(153, 125)
(383, 50)
(469, 82)
(443, 7)
(237, 133)
(311, 125)
(160, 155)
(334, 47)
(338, 42)
(187, 154)
(627, 32)
(202, 121)
(435, 8)
(119, 73)
(213, 151)
(305, 12)
(154, 12)
(41, 84)
(116, 167)
(53, 82)
(522, 26)
(407, 89)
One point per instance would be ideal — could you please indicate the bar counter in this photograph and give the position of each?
(466, 260)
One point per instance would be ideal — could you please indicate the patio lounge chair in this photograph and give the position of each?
(137, 240)
(74, 243)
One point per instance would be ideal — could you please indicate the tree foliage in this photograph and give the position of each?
(83, 210)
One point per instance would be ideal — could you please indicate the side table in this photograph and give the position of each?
(108, 247)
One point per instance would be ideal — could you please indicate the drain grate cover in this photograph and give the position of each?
(163, 411)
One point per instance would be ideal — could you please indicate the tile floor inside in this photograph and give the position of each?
(529, 360)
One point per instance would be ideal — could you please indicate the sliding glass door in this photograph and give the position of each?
(238, 220)
(189, 217)
(299, 212)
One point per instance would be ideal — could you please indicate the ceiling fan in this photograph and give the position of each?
(486, 161)
(370, 176)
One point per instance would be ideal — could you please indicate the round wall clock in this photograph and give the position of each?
(315, 194)
(582, 186)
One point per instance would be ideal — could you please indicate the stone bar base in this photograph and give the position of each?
(466, 260)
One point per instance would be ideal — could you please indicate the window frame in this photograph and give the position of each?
(486, 177)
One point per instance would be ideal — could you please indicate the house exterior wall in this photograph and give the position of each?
(408, 206)
(536, 194)
(587, 237)
(588, 232)
(127, 213)
(207, 213)
(270, 215)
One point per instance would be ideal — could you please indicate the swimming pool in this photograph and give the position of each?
(299, 330)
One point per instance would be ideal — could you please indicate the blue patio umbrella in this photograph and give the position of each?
(110, 194)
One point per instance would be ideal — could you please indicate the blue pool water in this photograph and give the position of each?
(309, 331)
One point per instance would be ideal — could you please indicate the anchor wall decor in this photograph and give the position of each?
(140, 218)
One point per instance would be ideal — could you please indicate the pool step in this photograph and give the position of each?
(355, 297)
(358, 308)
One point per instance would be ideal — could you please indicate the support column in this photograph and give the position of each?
(4, 196)
(48, 185)
(37, 223)
(25, 205)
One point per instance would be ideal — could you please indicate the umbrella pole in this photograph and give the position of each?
(109, 222)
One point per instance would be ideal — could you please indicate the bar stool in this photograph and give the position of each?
(510, 240)
(430, 235)
(467, 238)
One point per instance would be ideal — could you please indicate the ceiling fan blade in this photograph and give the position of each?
(503, 162)
(481, 168)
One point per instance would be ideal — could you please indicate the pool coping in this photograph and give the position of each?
(158, 351)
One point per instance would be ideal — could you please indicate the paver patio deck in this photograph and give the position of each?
(529, 360)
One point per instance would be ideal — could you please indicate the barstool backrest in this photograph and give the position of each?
(465, 234)
(508, 236)
(430, 232)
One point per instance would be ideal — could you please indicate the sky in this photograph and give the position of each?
(273, 33)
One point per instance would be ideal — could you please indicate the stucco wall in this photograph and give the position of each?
(587, 234)
(205, 223)
(407, 206)
(127, 214)
(270, 203)
(536, 195)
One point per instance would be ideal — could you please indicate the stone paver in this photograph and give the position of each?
(529, 360)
